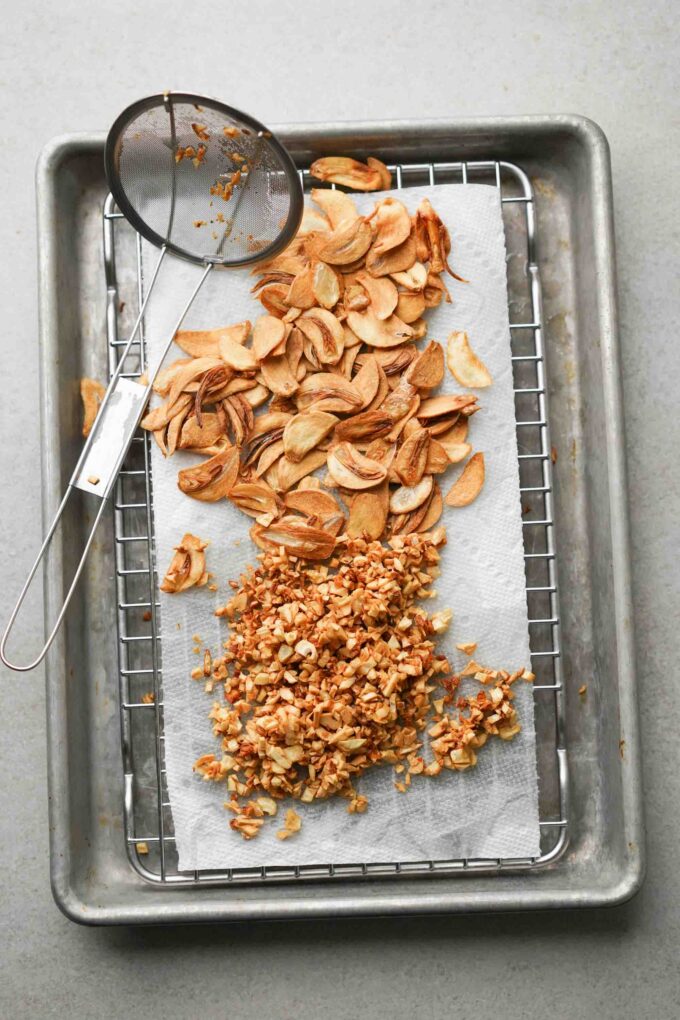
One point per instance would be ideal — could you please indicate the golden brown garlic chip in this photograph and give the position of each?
(469, 483)
(187, 567)
(464, 364)
(91, 393)
(352, 470)
(212, 479)
(349, 172)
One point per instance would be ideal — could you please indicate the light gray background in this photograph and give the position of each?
(74, 66)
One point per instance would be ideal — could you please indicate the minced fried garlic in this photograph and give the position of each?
(328, 670)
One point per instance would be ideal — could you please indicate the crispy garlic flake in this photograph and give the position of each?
(328, 670)
(187, 568)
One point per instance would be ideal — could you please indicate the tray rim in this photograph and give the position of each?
(352, 899)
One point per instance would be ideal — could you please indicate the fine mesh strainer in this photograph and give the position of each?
(211, 185)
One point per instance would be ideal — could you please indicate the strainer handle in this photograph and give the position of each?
(122, 407)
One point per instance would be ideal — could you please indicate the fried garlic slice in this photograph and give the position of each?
(389, 332)
(91, 393)
(187, 567)
(407, 498)
(289, 472)
(342, 247)
(325, 391)
(352, 470)
(367, 379)
(257, 499)
(382, 294)
(396, 260)
(392, 225)
(464, 364)
(348, 172)
(412, 458)
(410, 306)
(368, 512)
(426, 371)
(385, 175)
(313, 503)
(195, 436)
(269, 332)
(205, 343)
(212, 479)
(365, 427)
(297, 537)
(305, 431)
(469, 483)
(278, 376)
(325, 333)
(337, 206)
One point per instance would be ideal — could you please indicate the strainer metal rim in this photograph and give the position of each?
(121, 122)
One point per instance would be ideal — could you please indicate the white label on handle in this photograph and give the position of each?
(112, 427)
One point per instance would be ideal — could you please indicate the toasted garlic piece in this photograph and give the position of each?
(91, 393)
(273, 299)
(187, 567)
(348, 172)
(469, 483)
(236, 356)
(413, 279)
(301, 293)
(364, 427)
(325, 284)
(296, 536)
(464, 364)
(438, 414)
(434, 510)
(409, 497)
(456, 435)
(325, 333)
(212, 479)
(426, 371)
(352, 470)
(255, 499)
(305, 431)
(278, 376)
(205, 343)
(343, 247)
(289, 472)
(338, 206)
(314, 503)
(368, 512)
(455, 452)
(294, 349)
(437, 458)
(382, 294)
(392, 224)
(385, 175)
(396, 260)
(376, 332)
(367, 379)
(313, 221)
(269, 332)
(413, 456)
(328, 392)
(410, 306)
(195, 437)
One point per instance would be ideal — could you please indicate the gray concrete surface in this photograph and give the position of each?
(74, 65)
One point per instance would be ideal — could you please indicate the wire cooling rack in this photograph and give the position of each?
(147, 814)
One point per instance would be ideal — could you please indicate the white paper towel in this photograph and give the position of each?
(489, 811)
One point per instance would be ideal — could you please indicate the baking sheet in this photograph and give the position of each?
(490, 811)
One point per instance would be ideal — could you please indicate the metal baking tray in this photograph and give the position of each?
(93, 828)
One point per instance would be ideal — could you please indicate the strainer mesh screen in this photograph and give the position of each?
(185, 184)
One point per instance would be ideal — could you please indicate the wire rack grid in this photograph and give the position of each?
(147, 813)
